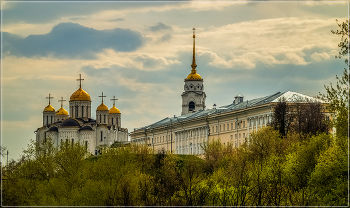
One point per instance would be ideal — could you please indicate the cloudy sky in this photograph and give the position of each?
(141, 52)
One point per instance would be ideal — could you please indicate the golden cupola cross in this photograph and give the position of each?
(114, 99)
(61, 101)
(102, 97)
(49, 99)
(80, 80)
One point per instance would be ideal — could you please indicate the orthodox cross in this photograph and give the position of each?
(61, 101)
(114, 100)
(102, 97)
(49, 98)
(80, 80)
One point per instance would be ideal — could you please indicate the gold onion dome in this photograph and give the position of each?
(102, 107)
(49, 108)
(194, 76)
(80, 95)
(114, 110)
(62, 111)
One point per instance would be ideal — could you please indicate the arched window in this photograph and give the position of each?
(191, 106)
(104, 118)
(100, 118)
(112, 121)
(101, 136)
(82, 111)
(47, 120)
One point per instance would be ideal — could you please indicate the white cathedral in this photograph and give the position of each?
(78, 126)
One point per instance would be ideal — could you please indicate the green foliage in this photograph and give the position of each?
(268, 170)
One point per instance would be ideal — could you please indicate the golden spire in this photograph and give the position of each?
(194, 75)
(194, 65)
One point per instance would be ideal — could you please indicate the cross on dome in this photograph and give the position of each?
(114, 100)
(49, 98)
(102, 97)
(61, 101)
(80, 80)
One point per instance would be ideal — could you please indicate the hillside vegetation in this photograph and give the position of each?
(272, 170)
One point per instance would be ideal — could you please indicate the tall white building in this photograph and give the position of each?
(193, 99)
(78, 126)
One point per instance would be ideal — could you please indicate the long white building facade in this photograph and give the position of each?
(231, 123)
(78, 126)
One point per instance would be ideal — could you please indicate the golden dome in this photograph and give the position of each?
(62, 111)
(80, 94)
(102, 107)
(49, 108)
(194, 76)
(114, 110)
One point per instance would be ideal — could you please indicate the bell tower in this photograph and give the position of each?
(193, 99)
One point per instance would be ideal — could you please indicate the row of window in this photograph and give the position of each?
(238, 136)
(76, 110)
(225, 127)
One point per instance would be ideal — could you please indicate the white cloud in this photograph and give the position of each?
(292, 58)
(142, 61)
(320, 56)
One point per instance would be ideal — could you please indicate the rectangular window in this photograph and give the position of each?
(76, 111)
(224, 127)
(235, 136)
(231, 137)
(163, 138)
(243, 124)
(231, 126)
(227, 127)
(220, 127)
(243, 135)
(264, 120)
(239, 135)
(101, 136)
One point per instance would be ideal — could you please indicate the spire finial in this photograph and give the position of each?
(194, 65)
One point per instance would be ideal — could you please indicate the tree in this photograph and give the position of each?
(300, 116)
(338, 96)
(281, 117)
